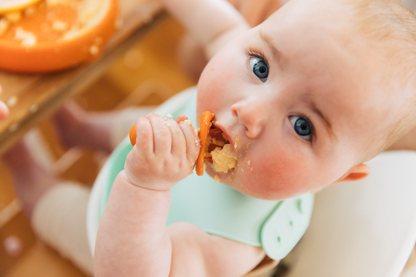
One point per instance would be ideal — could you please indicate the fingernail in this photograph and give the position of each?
(3, 108)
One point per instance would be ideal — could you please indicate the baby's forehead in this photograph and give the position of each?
(311, 13)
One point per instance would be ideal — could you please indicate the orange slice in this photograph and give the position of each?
(15, 5)
(55, 34)
(206, 118)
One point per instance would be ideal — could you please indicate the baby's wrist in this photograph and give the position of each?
(147, 185)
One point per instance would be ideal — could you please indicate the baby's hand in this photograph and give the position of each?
(165, 153)
(4, 111)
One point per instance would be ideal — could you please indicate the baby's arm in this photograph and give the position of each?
(212, 22)
(132, 239)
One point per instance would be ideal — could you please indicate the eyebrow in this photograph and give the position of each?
(268, 41)
(318, 112)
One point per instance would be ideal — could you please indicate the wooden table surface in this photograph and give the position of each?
(33, 97)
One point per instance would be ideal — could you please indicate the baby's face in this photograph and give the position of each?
(296, 95)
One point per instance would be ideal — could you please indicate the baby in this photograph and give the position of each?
(310, 94)
(305, 98)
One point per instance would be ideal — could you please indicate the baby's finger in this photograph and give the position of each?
(161, 135)
(4, 111)
(178, 138)
(181, 118)
(192, 142)
(144, 137)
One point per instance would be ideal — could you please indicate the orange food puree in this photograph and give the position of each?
(47, 22)
(55, 34)
(219, 151)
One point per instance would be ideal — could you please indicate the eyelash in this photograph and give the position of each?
(257, 54)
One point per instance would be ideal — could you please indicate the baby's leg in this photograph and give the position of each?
(30, 180)
(57, 209)
(407, 142)
(77, 127)
(191, 56)
(101, 131)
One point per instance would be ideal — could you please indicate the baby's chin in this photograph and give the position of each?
(225, 178)
(247, 185)
(232, 180)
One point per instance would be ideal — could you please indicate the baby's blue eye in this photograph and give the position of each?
(259, 67)
(302, 127)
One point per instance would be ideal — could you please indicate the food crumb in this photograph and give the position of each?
(52, 3)
(4, 24)
(29, 10)
(216, 178)
(59, 26)
(248, 162)
(26, 38)
(13, 16)
(224, 159)
(186, 122)
(235, 143)
(12, 101)
(94, 50)
(98, 41)
(230, 178)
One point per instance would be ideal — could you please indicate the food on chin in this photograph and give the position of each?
(218, 150)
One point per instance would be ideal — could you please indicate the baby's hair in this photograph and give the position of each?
(391, 26)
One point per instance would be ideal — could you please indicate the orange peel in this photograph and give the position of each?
(15, 5)
(206, 119)
(132, 135)
(56, 34)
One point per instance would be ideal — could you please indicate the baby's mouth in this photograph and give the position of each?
(219, 151)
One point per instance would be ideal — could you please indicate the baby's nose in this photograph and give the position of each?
(252, 115)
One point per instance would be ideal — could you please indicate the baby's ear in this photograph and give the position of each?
(356, 173)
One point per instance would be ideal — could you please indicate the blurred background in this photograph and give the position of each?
(146, 75)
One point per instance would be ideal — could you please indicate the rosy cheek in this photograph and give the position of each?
(276, 176)
(216, 80)
(208, 91)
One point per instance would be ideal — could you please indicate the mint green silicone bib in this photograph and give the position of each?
(277, 226)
